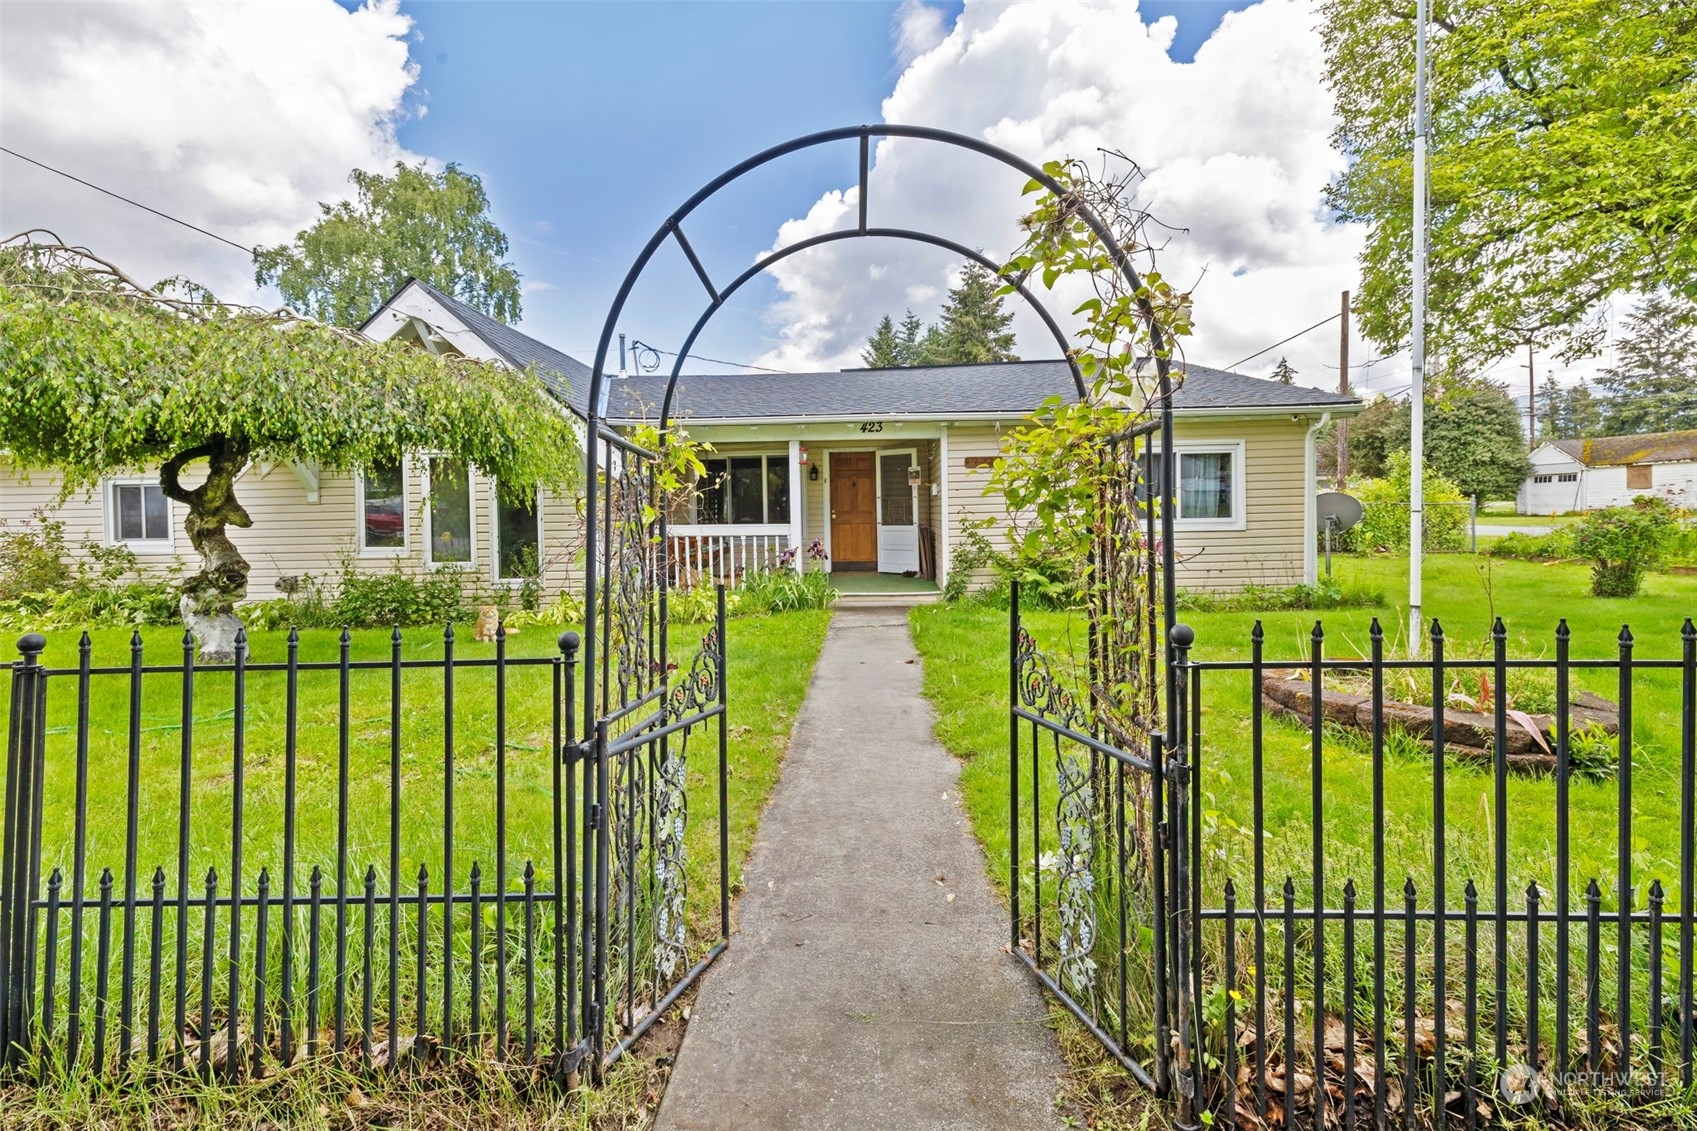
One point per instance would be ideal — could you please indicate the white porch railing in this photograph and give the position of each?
(696, 553)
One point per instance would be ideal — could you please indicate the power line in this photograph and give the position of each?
(127, 200)
(1292, 338)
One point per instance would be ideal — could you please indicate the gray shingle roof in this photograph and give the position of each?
(566, 377)
(942, 392)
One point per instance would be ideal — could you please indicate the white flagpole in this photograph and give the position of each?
(1417, 344)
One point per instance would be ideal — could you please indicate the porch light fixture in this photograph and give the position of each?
(913, 476)
(813, 473)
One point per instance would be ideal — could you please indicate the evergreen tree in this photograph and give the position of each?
(1585, 411)
(973, 326)
(1283, 373)
(1653, 384)
(883, 349)
(1553, 414)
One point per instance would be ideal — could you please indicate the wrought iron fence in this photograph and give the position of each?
(387, 860)
(1415, 957)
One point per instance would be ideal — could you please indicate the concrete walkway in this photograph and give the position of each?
(856, 993)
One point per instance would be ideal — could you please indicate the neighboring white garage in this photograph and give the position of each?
(1608, 471)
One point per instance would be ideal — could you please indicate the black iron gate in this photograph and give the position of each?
(646, 939)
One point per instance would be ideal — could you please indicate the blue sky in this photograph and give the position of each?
(590, 122)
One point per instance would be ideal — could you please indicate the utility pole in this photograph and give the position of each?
(1417, 344)
(1531, 401)
(1343, 387)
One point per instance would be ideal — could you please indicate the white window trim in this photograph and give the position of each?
(430, 561)
(748, 527)
(1240, 475)
(109, 509)
(361, 549)
(495, 577)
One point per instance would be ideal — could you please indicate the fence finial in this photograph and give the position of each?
(31, 644)
(570, 642)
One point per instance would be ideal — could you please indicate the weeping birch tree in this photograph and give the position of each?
(100, 375)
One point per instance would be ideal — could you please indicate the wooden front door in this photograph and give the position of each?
(854, 511)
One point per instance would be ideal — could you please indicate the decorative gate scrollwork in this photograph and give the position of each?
(1101, 771)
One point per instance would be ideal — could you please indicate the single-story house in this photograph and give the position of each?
(426, 513)
(1609, 471)
(886, 469)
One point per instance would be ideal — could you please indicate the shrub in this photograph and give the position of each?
(1554, 546)
(33, 560)
(1385, 503)
(1047, 580)
(1325, 594)
(45, 583)
(1624, 543)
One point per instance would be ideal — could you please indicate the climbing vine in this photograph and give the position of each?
(1071, 472)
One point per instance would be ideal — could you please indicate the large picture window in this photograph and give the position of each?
(450, 513)
(382, 508)
(518, 540)
(744, 490)
(140, 514)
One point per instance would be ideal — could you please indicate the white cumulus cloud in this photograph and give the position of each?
(1235, 146)
(238, 118)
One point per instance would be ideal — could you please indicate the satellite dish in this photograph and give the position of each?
(1337, 510)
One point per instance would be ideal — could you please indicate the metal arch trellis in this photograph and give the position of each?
(639, 715)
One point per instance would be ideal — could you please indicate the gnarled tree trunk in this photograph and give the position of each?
(209, 597)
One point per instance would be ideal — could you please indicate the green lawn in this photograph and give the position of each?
(965, 649)
(1512, 519)
(770, 664)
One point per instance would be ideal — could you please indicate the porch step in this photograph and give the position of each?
(906, 600)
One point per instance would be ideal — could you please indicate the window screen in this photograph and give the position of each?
(142, 513)
(518, 538)
(895, 496)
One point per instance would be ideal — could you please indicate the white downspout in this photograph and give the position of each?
(798, 501)
(945, 551)
(1310, 518)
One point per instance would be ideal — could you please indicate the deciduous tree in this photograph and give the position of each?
(100, 375)
(432, 226)
(1562, 167)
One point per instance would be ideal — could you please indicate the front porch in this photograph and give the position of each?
(857, 589)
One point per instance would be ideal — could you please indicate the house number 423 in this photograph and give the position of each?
(872, 426)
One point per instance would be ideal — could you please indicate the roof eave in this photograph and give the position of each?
(1244, 413)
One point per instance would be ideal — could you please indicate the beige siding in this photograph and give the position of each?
(1268, 551)
(292, 536)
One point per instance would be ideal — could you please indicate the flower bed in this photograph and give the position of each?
(1469, 736)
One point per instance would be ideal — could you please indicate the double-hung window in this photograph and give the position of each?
(138, 515)
(382, 509)
(744, 491)
(518, 539)
(1210, 494)
(450, 513)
